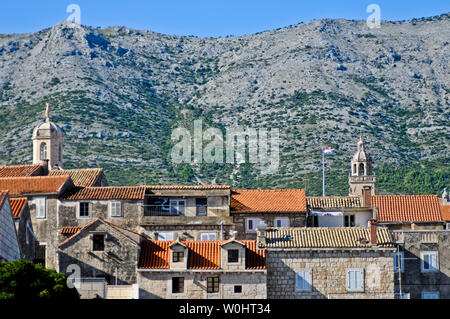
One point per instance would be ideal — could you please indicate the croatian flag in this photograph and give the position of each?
(328, 150)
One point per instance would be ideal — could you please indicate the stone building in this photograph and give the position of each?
(339, 211)
(421, 264)
(231, 269)
(187, 212)
(26, 237)
(9, 246)
(328, 262)
(408, 211)
(445, 208)
(361, 176)
(277, 208)
(102, 250)
(42, 193)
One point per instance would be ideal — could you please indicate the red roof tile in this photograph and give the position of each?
(202, 254)
(17, 205)
(268, 200)
(85, 177)
(33, 184)
(70, 230)
(445, 211)
(104, 193)
(334, 202)
(407, 208)
(20, 170)
(194, 187)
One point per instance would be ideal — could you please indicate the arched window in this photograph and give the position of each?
(43, 151)
(361, 169)
(354, 169)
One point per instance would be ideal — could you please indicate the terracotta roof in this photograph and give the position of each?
(3, 197)
(194, 187)
(34, 184)
(20, 170)
(445, 211)
(334, 202)
(202, 254)
(325, 237)
(17, 205)
(70, 230)
(407, 208)
(268, 200)
(85, 177)
(104, 193)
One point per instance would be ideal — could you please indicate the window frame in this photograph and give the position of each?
(402, 261)
(208, 235)
(197, 206)
(44, 201)
(111, 204)
(306, 276)
(253, 219)
(180, 282)
(281, 219)
(94, 242)
(89, 204)
(177, 256)
(177, 206)
(237, 286)
(212, 284)
(350, 222)
(165, 232)
(360, 288)
(234, 258)
(422, 261)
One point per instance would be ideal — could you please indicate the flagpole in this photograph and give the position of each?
(323, 173)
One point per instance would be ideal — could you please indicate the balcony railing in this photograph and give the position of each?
(160, 210)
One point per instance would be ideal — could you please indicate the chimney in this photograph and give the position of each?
(373, 231)
(261, 237)
(367, 197)
(45, 166)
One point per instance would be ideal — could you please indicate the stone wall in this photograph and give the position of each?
(188, 231)
(329, 273)
(118, 260)
(28, 242)
(414, 281)
(239, 219)
(158, 284)
(9, 247)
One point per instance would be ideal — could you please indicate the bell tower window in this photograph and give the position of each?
(43, 151)
(361, 169)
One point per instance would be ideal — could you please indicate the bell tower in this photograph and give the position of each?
(48, 143)
(361, 179)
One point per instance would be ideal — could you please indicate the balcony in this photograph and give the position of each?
(161, 210)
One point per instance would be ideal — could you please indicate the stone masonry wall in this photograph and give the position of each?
(329, 273)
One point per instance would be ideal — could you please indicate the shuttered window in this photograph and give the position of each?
(355, 280)
(303, 280)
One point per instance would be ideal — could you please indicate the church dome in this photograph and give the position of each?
(48, 128)
(361, 155)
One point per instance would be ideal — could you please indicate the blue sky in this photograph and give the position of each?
(203, 18)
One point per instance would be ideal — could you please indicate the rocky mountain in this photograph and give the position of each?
(119, 93)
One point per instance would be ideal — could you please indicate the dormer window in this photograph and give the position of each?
(233, 255)
(178, 256)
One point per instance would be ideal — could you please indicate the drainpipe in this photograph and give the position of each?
(221, 229)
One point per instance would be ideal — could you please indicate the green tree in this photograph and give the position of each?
(21, 279)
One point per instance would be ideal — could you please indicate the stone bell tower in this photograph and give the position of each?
(48, 143)
(361, 178)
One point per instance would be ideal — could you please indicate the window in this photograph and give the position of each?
(208, 236)
(429, 261)
(98, 242)
(177, 207)
(165, 236)
(355, 280)
(41, 209)
(252, 223)
(430, 295)
(237, 289)
(201, 206)
(177, 256)
(349, 221)
(398, 261)
(233, 255)
(281, 222)
(212, 284)
(43, 151)
(177, 285)
(303, 280)
(115, 209)
(85, 210)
